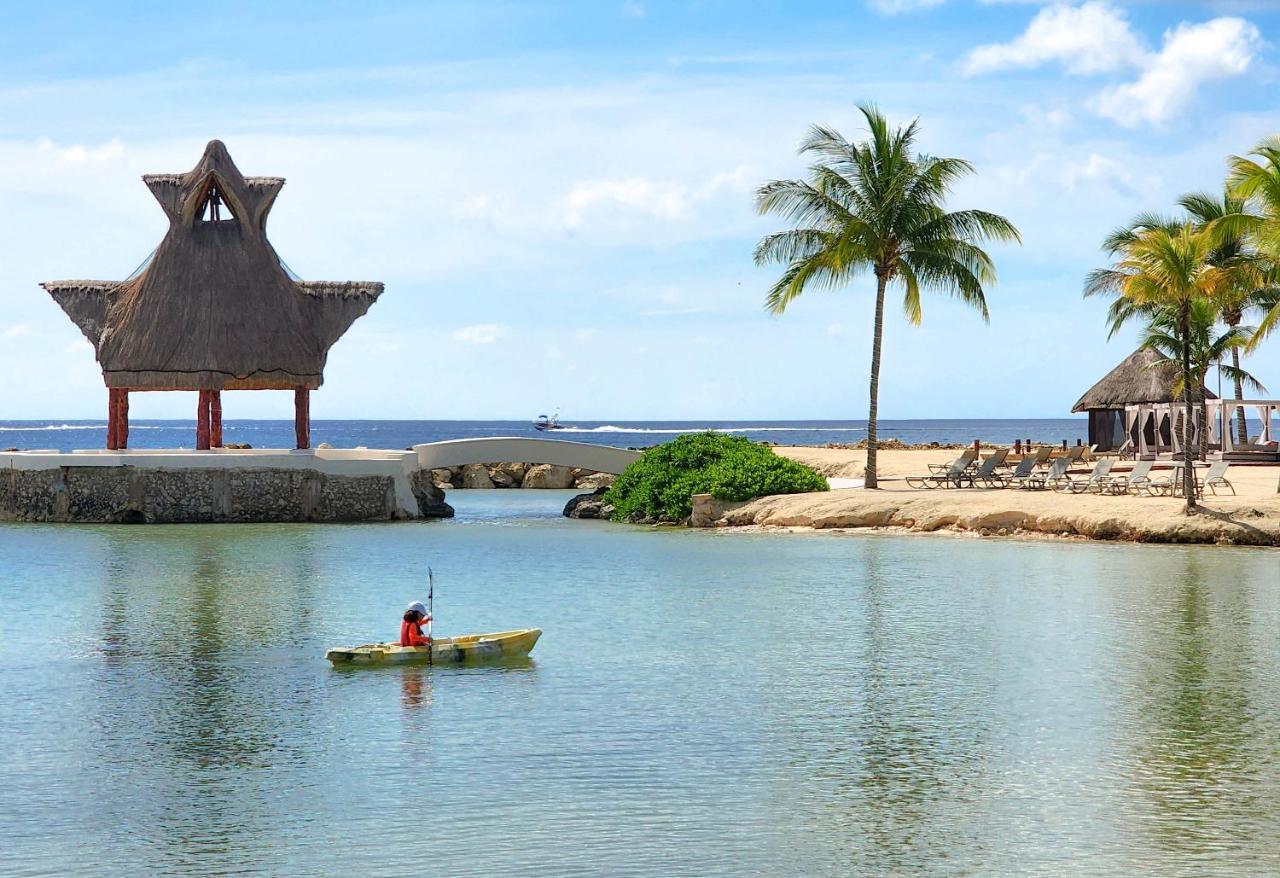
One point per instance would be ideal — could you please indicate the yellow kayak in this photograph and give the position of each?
(443, 650)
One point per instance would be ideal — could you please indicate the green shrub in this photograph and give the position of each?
(660, 484)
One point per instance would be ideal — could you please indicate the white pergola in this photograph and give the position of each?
(1166, 417)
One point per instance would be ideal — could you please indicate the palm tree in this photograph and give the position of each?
(1257, 183)
(877, 206)
(1208, 348)
(1169, 268)
(1249, 289)
(1250, 281)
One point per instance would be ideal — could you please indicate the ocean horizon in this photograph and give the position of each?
(71, 434)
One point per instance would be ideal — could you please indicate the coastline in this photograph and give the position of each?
(1252, 517)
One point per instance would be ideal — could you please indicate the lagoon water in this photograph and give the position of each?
(701, 703)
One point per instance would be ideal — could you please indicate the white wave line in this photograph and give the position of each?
(610, 428)
(59, 427)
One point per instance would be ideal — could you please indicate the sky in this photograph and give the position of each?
(559, 196)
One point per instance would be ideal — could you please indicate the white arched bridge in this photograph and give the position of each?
(517, 449)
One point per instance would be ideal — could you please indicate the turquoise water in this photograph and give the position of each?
(700, 704)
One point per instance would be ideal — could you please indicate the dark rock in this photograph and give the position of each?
(590, 505)
(430, 496)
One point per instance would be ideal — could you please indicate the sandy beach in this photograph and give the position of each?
(1251, 517)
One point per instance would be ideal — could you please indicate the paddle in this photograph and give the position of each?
(431, 594)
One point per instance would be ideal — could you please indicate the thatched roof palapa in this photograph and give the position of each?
(1144, 376)
(214, 309)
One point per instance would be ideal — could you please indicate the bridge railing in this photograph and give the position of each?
(520, 449)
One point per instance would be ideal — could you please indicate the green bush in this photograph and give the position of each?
(660, 484)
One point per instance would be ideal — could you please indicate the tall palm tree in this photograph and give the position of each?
(1169, 268)
(1208, 348)
(877, 206)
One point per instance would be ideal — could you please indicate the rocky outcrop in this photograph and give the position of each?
(430, 496)
(590, 505)
(545, 475)
(519, 475)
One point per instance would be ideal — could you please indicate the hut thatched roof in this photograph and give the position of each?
(1146, 375)
(214, 309)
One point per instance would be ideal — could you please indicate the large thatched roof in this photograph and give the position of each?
(214, 309)
(1146, 375)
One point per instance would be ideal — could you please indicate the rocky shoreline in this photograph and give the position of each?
(1008, 513)
(520, 475)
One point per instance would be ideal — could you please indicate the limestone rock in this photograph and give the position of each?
(589, 481)
(443, 477)
(545, 475)
(514, 470)
(502, 478)
(476, 475)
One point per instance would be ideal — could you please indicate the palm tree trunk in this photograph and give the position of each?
(1188, 456)
(1242, 427)
(876, 333)
(1202, 422)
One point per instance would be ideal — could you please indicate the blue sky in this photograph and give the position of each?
(559, 196)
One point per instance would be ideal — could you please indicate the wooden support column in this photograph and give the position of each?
(215, 418)
(111, 419)
(302, 416)
(122, 418)
(202, 421)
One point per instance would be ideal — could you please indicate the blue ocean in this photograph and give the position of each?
(69, 435)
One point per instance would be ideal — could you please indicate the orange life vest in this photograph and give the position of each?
(411, 634)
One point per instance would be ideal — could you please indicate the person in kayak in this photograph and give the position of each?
(415, 616)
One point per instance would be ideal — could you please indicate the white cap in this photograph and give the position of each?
(416, 607)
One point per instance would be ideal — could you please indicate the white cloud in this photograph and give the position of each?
(1095, 37)
(632, 9)
(1099, 170)
(78, 154)
(1091, 38)
(17, 330)
(1192, 55)
(893, 7)
(835, 329)
(481, 333)
(663, 200)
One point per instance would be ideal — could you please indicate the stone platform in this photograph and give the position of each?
(222, 485)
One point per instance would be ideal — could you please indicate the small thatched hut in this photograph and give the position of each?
(214, 308)
(1145, 376)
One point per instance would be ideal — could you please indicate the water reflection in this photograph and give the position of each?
(415, 688)
(1199, 768)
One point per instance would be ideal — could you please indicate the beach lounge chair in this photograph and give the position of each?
(1043, 453)
(1026, 469)
(1135, 480)
(1075, 453)
(986, 472)
(968, 458)
(1056, 473)
(1096, 480)
(955, 476)
(1167, 484)
(1216, 478)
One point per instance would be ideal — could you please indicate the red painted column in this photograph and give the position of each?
(302, 416)
(202, 421)
(111, 419)
(122, 418)
(215, 418)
